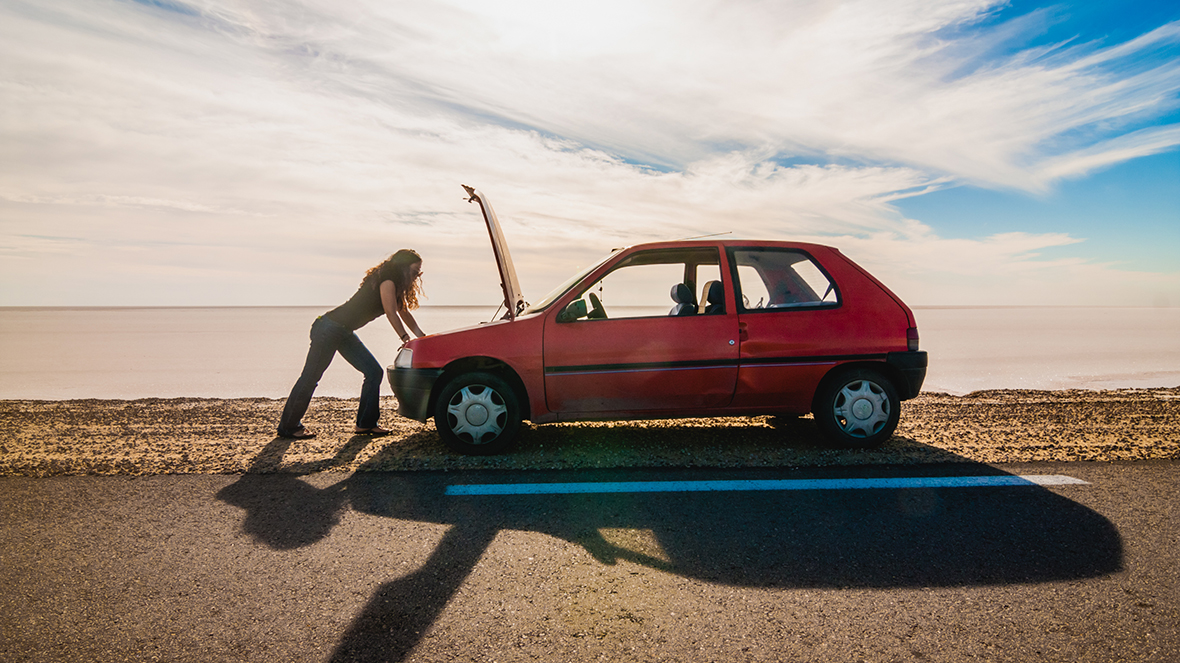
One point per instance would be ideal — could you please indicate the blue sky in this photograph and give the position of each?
(215, 152)
(1128, 213)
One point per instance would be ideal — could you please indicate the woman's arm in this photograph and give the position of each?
(411, 323)
(389, 303)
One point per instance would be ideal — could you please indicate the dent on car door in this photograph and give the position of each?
(644, 338)
(789, 312)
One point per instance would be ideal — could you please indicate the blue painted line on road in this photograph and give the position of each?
(759, 484)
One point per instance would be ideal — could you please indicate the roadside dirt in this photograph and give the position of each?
(234, 436)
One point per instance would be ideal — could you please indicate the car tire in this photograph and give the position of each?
(857, 408)
(477, 414)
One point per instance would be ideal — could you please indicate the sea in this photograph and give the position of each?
(240, 352)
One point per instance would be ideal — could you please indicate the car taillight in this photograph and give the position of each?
(911, 339)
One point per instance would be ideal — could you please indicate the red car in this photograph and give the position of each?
(673, 329)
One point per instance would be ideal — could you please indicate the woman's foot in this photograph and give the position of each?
(375, 431)
(300, 433)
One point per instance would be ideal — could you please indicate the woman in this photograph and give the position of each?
(391, 288)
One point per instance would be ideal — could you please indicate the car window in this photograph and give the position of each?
(753, 288)
(771, 279)
(642, 285)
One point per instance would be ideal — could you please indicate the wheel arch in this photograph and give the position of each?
(491, 365)
(889, 372)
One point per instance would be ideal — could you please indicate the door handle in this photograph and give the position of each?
(742, 334)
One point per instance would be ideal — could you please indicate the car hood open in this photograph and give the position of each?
(509, 283)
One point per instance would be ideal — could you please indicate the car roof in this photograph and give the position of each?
(731, 242)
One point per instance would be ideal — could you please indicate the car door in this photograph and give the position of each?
(632, 347)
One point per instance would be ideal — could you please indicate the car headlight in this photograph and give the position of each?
(405, 358)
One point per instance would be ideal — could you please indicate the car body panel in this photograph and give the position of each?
(840, 258)
(515, 345)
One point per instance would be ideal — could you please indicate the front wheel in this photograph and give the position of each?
(477, 414)
(857, 409)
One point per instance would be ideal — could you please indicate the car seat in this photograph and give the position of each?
(713, 296)
(686, 304)
(596, 310)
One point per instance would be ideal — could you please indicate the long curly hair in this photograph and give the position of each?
(396, 268)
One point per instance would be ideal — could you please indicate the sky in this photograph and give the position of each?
(264, 153)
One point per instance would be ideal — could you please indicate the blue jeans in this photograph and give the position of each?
(328, 338)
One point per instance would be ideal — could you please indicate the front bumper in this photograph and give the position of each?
(912, 367)
(412, 386)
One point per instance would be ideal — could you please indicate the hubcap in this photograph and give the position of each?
(477, 412)
(862, 408)
(477, 415)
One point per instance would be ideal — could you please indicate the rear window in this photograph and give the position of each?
(776, 279)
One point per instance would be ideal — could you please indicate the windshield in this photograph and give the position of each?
(564, 287)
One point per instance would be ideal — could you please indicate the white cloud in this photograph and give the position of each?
(1108, 152)
(258, 153)
(1009, 269)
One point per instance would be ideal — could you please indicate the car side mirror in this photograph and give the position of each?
(574, 310)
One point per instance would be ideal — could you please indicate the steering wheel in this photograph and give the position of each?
(596, 310)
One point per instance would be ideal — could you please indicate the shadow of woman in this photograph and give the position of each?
(401, 611)
(282, 511)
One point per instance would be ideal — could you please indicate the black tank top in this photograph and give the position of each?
(364, 306)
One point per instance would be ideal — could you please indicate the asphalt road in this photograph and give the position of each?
(386, 567)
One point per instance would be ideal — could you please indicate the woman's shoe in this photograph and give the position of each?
(375, 431)
(300, 433)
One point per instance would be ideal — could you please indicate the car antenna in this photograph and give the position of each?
(683, 239)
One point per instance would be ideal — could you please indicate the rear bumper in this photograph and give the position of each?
(412, 386)
(912, 367)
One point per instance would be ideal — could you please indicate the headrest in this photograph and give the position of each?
(716, 294)
(682, 295)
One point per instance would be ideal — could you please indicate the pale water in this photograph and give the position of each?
(65, 353)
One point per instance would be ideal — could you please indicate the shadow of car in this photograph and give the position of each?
(869, 538)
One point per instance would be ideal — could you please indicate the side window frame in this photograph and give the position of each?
(731, 255)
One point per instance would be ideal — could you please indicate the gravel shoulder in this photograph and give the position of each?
(236, 436)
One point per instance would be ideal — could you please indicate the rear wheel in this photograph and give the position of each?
(477, 414)
(858, 408)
